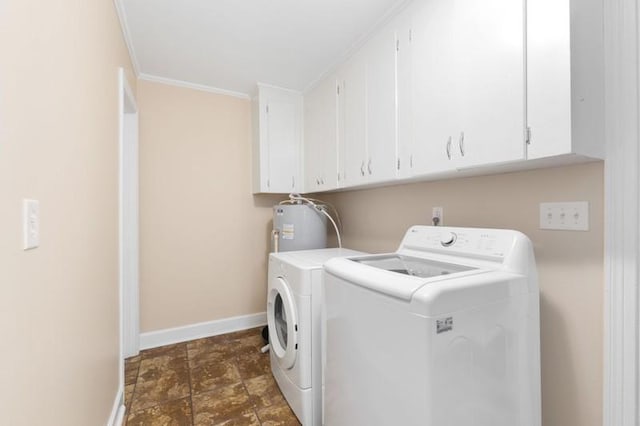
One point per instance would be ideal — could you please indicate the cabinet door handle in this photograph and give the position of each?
(461, 143)
(293, 181)
(411, 161)
(369, 166)
(449, 148)
(362, 168)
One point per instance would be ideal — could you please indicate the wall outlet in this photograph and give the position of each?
(570, 216)
(31, 223)
(437, 216)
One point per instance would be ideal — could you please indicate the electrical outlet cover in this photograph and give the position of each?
(439, 213)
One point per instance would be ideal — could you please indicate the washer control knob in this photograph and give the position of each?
(448, 239)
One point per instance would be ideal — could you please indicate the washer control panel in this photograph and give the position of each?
(478, 242)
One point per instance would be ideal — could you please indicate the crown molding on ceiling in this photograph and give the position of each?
(260, 84)
(127, 36)
(163, 80)
(194, 86)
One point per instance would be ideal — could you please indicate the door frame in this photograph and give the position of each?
(621, 394)
(128, 225)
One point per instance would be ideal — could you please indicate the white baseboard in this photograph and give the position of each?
(117, 411)
(153, 339)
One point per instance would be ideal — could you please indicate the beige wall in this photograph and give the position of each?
(59, 144)
(570, 264)
(204, 237)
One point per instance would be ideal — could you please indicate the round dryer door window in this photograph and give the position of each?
(283, 323)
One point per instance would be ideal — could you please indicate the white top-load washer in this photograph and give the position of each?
(294, 308)
(443, 332)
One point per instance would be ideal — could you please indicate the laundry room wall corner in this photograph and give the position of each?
(203, 236)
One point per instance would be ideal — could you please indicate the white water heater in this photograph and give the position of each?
(298, 227)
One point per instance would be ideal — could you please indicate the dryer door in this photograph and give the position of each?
(283, 323)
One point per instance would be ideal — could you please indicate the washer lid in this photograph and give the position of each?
(396, 275)
(413, 266)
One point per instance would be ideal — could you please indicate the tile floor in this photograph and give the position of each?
(220, 380)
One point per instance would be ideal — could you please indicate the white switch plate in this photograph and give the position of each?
(31, 223)
(570, 216)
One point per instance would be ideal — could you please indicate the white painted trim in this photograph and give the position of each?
(118, 409)
(129, 329)
(129, 96)
(194, 86)
(169, 336)
(272, 86)
(621, 394)
(126, 34)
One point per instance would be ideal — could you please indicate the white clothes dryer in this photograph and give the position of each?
(294, 305)
(443, 332)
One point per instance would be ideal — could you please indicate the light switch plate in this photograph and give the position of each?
(31, 223)
(569, 216)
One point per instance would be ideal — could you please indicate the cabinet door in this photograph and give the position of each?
(434, 104)
(549, 57)
(381, 106)
(282, 146)
(404, 78)
(352, 117)
(329, 142)
(489, 81)
(312, 139)
(321, 165)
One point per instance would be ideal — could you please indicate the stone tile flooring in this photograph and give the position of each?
(220, 380)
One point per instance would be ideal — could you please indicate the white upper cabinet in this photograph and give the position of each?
(381, 135)
(402, 26)
(352, 122)
(367, 130)
(468, 83)
(433, 52)
(320, 129)
(565, 78)
(277, 141)
(463, 87)
(489, 81)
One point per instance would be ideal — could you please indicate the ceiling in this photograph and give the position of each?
(232, 44)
